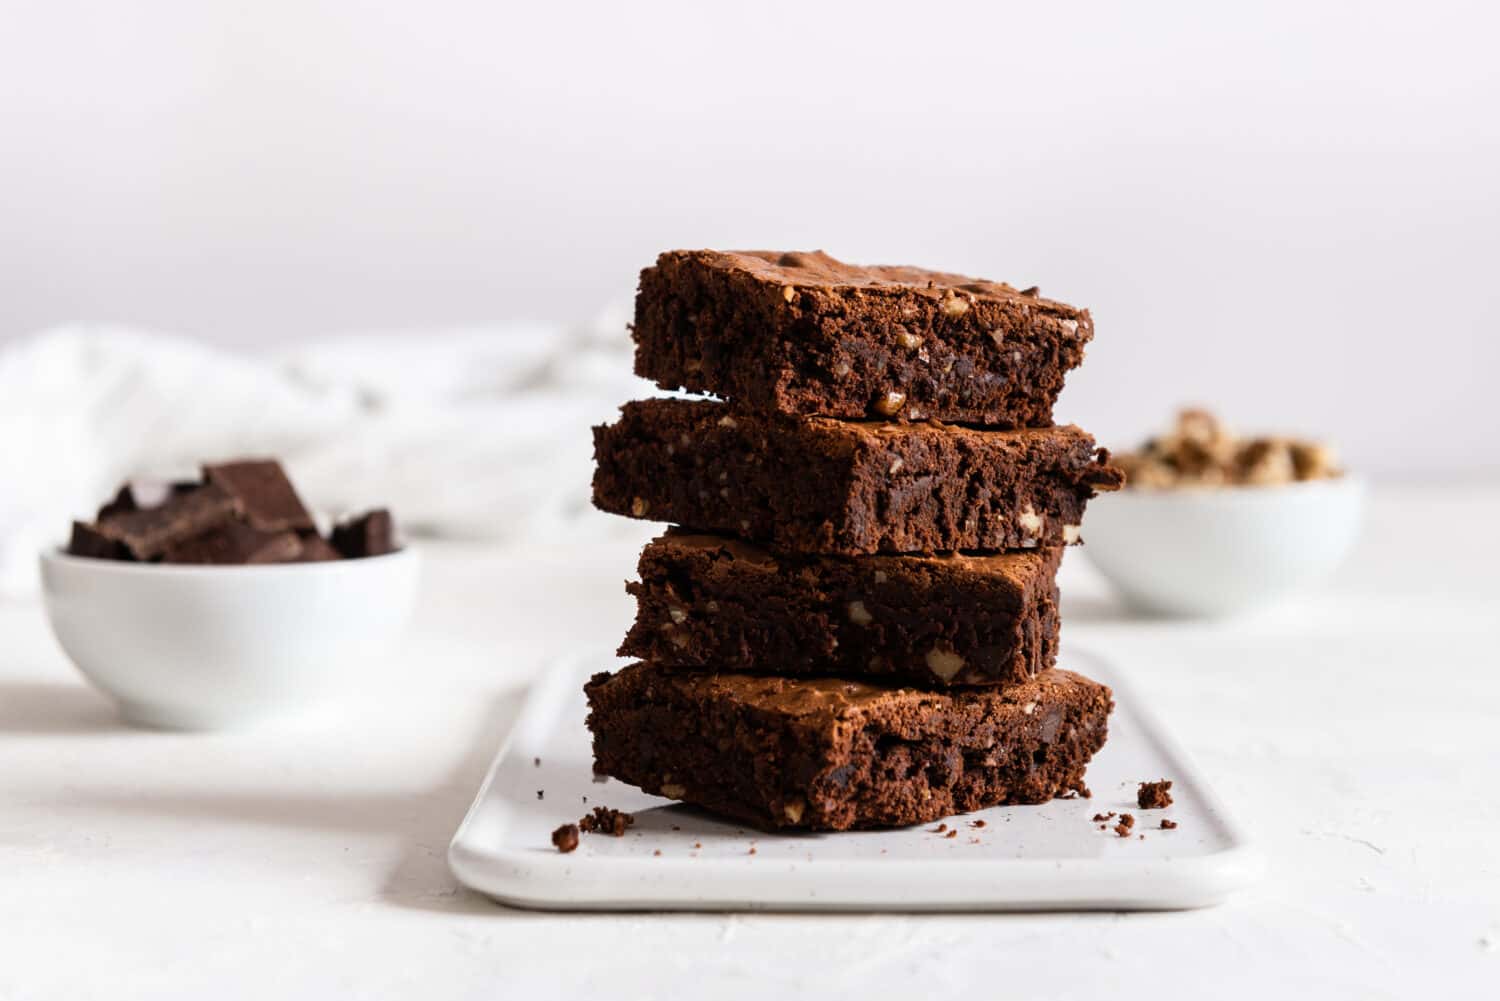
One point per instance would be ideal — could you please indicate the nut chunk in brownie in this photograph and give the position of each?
(834, 754)
(847, 487)
(802, 333)
(709, 602)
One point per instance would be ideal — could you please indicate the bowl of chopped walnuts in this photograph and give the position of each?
(1211, 523)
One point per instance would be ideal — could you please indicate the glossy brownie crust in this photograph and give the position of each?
(831, 754)
(847, 487)
(802, 333)
(708, 602)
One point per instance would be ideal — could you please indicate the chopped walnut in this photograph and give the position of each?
(792, 809)
(1200, 452)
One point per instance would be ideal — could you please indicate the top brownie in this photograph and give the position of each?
(802, 333)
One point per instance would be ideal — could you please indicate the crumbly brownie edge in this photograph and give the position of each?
(921, 758)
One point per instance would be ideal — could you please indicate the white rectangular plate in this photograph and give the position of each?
(1049, 857)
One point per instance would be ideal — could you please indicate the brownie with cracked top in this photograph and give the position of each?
(836, 754)
(803, 333)
(847, 487)
(710, 602)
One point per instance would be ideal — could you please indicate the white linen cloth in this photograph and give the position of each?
(470, 433)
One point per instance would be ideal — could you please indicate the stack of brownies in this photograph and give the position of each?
(855, 622)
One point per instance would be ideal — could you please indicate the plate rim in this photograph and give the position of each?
(549, 880)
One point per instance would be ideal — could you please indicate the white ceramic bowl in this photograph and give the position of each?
(1214, 552)
(208, 647)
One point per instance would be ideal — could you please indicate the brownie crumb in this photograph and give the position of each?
(1099, 817)
(1125, 824)
(605, 820)
(1103, 827)
(952, 834)
(1154, 795)
(751, 851)
(536, 762)
(939, 829)
(539, 793)
(1168, 825)
(976, 823)
(697, 844)
(565, 838)
(1141, 836)
(656, 854)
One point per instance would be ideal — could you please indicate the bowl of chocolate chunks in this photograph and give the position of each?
(217, 603)
(1211, 523)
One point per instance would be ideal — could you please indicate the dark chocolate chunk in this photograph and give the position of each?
(834, 754)
(267, 498)
(149, 532)
(88, 541)
(235, 543)
(315, 549)
(123, 502)
(372, 534)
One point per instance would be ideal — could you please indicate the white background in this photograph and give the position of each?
(1285, 210)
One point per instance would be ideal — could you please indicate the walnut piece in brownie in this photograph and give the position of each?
(835, 754)
(565, 838)
(803, 333)
(850, 488)
(711, 602)
(1154, 795)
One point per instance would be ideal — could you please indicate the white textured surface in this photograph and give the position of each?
(1354, 733)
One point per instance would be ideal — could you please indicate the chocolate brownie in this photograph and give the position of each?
(710, 602)
(834, 754)
(802, 333)
(847, 487)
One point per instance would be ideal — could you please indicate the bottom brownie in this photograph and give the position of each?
(832, 754)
